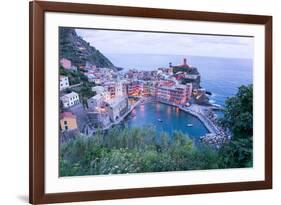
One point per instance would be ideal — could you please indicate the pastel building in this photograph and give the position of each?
(115, 89)
(91, 77)
(68, 121)
(189, 88)
(135, 88)
(66, 64)
(148, 89)
(97, 80)
(170, 71)
(118, 89)
(103, 91)
(64, 83)
(117, 107)
(70, 99)
(173, 93)
(98, 100)
(98, 89)
(95, 101)
(110, 86)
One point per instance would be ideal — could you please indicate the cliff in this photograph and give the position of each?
(79, 51)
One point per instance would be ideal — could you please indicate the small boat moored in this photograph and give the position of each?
(189, 125)
(159, 120)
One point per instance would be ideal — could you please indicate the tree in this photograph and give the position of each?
(85, 90)
(238, 119)
(133, 150)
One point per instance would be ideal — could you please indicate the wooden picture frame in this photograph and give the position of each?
(37, 11)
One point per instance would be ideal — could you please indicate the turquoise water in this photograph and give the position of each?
(172, 119)
(220, 76)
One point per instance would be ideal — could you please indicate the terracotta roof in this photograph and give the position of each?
(67, 115)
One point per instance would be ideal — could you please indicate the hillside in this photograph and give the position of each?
(79, 51)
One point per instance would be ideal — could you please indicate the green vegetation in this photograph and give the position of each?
(85, 92)
(184, 81)
(74, 77)
(238, 118)
(138, 150)
(179, 69)
(73, 47)
(133, 150)
(188, 70)
(84, 89)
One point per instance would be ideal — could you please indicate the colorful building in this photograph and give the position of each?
(174, 93)
(135, 88)
(149, 89)
(98, 100)
(189, 89)
(116, 89)
(98, 89)
(64, 83)
(66, 64)
(67, 121)
(146, 90)
(70, 99)
(117, 107)
(95, 101)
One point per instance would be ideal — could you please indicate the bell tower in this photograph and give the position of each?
(184, 61)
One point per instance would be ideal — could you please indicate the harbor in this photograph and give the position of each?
(165, 119)
(192, 120)
(124, 99)
(216, 134)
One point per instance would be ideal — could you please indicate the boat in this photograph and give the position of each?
(208, 92)
(189, 125)
(159, 120)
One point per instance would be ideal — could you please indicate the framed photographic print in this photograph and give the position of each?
(139, 102)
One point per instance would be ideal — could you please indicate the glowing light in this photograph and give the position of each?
(142, 108)
(157, 106)
(169, 111)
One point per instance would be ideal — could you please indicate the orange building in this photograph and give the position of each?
(174, 93)
(135, 88)
(67, 121)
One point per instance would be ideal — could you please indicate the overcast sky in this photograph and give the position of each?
(127, 42)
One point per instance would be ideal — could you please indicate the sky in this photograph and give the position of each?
(129, 42)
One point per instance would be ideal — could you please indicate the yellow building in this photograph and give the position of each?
(67, 121)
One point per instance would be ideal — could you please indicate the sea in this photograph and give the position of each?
(220, 76)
